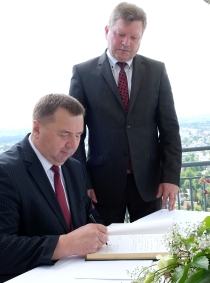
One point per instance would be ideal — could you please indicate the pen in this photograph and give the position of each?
(93, 220)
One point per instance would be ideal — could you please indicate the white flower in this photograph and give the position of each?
(168, 262)
(189, 252)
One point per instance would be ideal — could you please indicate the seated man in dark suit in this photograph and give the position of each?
(44, 207)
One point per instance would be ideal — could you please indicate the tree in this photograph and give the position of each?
(189, 172)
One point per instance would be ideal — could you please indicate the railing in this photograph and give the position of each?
(194, 164)
(189, 164)
(191, 195)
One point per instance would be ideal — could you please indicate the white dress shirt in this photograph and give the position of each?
(47, 165)
(116, 70)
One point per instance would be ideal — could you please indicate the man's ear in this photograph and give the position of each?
(36, 128)
(106, 31)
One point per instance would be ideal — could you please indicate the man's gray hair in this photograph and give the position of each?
(48, 104)
(129, 13)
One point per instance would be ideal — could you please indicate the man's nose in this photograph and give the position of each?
(126, 41)
(73, 142)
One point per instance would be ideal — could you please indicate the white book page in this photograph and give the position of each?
(149, 227)
(133, 244)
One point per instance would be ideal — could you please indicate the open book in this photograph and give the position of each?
(143, 240)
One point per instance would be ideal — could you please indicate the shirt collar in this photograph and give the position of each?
(45, 163)
(113, 61)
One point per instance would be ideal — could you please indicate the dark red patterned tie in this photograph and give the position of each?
(59, 190)
(123, 85)
(123, 89)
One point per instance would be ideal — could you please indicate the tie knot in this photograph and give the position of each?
(121, 64)
(55, 169)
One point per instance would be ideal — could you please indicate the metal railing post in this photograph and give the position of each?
(204, 197)
(191, 195)
(178, 200)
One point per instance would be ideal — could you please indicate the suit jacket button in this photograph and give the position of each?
(128, 126)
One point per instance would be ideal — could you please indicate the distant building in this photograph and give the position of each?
(187, 203)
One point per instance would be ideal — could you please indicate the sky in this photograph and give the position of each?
(41, 40)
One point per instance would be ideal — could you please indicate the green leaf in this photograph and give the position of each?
(189, 242)
(184, 275)
(149, 278)
(178, 274)
(203, 253)
(201, 262)
(207, 251)
(206, 221)
(201, 276)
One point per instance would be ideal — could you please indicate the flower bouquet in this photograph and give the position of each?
(188, 260)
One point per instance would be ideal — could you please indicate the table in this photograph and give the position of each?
(70, 269)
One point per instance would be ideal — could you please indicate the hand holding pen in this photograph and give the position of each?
(93, 220)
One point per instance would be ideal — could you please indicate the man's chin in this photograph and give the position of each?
(123, 56)
(61, 160)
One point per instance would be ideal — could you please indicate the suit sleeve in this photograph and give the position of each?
(77, 91)
(92, 211)
(169, 137)
(78, 175)
(19, 253)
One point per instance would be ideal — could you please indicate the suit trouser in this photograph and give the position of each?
(136, 206)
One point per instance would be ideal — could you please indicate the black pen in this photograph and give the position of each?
(93, 220)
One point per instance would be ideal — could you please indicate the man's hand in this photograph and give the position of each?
(170, 191)
(84, 240)
(92, 195)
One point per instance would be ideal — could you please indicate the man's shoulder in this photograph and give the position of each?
(13, 156)
(92, 62)
(10, 153)
(11, 160)
(73, 163)
(147, 60)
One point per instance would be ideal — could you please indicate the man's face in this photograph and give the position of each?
(124, 39)
(58, 139)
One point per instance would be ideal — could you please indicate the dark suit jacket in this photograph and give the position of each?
(150, 130)
(30, 216)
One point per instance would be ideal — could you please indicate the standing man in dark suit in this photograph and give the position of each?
(134, 147)
(34, 227)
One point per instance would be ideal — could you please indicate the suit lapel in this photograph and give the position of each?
(37, 172)
(137, 76)
(105, 70)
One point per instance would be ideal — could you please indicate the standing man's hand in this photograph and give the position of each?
(92, 195)
(170, 191)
